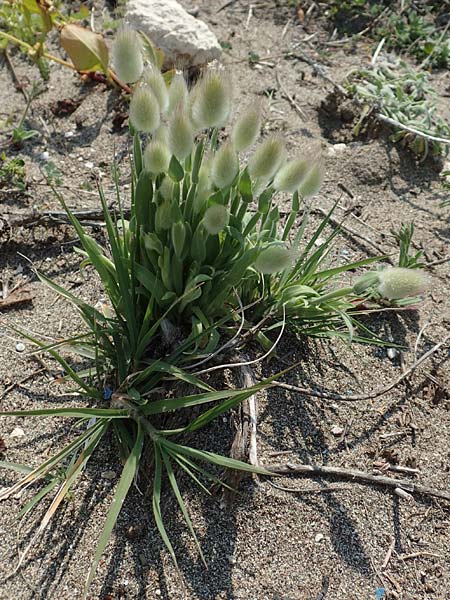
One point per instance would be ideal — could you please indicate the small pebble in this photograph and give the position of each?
(20, 347)
(17, 433)
(109, 475)
(392, 353)
(44, 156)
(337, 430)
(318, 538)
(231, 560)
(69, 134)
(89, 164)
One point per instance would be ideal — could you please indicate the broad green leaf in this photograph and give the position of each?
(87, 50)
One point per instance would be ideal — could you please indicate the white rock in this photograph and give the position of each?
(186, 41)
(336, 149)
(318, 538)
(17, 433)
(44, 156)
(20, 347)
(337, 430)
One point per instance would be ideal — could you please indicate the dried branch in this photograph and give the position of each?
(359, 476)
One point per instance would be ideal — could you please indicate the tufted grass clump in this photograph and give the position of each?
(204, 255)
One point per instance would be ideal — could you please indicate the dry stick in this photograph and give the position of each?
(57, 217)
(350, 231)
(249, 381)
(19, 383)
(355, 475)
(288, 97)
(388, 554)
(426, 136)
(369, 395)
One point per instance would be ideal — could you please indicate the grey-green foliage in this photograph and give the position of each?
(403, 94)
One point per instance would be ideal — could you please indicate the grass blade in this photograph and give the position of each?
(126, 479)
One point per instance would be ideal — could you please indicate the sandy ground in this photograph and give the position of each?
(306, 544)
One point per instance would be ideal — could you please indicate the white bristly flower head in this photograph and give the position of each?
(291, 175)
(153, 78)
(181, 135)
(313, 180)
(216, 218)
(225, 166)
(144, 110)
(211, 100)
(246, 129)
(399, 282)
(267, 159)
(127, 55)
(178, 92)
(274, 259)
(156, 157)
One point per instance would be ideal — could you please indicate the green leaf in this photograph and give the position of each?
(178, 496)
(176, 171)
(87, 50)
(126, 479)
(211, 457)
(156, 502)
(100, 413)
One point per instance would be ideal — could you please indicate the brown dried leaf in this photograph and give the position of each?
(87, 50)
(18, 296)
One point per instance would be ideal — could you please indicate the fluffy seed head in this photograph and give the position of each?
(274, 259)
(216, 218)
(313, 181)
(246, 129)
(211, 101)
(181, 136)
(290, 176)
(127, 55)
(144, 110)
(153, 78)
(225, 166)
(166, 188)
(162, 134)
(398, 282)
(178, 92)
(156, 157)
(268, 158)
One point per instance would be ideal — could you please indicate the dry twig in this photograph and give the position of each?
(355, 475)
(369, 395)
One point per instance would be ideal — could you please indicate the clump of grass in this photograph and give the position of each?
(403, 95)
(204, 257)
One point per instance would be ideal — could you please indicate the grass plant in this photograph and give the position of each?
(205, 261)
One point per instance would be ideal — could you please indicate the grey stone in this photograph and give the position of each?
(186, 41)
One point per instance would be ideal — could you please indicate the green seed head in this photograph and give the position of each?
(144, 110)
(156, 157)
(153, 78)
(225, 166)
(290, 176)
(216, 219)
(268, 158)
(162, 134)
(127, 55)
(312, 183)
(211, 100)
(274, 259)
(246, 129)
(166, 188)
(398, 282)
(178, 92)
(181, 135)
